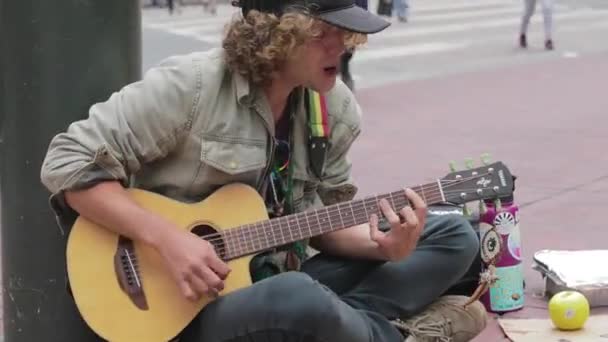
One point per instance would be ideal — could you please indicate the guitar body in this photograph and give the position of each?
(101, 300)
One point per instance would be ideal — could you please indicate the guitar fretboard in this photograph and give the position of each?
(256, 237)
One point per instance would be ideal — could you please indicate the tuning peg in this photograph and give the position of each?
(485, 158)
(468, 162)
(465, 210)
(452, 166)
(483, 208)
(497, 204)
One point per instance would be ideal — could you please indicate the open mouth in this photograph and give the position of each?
(331, 70)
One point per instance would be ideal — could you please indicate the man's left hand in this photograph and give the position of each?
(406, 227)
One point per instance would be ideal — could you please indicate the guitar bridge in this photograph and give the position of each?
(127, 273)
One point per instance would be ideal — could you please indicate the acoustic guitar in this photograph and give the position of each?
(125, 294)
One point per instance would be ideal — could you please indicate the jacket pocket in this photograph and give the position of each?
(234, 156)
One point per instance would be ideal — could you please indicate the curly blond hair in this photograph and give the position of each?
(260, 43)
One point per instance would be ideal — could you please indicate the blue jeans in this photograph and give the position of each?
(400, 8)
(336, 299)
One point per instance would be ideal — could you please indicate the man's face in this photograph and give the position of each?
(316, 63)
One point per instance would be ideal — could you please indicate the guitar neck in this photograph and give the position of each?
(256, 237)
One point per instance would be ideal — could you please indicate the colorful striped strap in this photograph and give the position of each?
(318, 129)
(317, 112)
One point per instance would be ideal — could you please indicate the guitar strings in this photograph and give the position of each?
(259, 240)
(360, 208)
(252, 241)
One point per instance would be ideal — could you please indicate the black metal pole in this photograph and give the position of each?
(57, 58)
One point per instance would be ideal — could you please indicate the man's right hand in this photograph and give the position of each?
(191, 260)
(193, 263)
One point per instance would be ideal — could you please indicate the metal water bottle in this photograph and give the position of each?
(507, 293)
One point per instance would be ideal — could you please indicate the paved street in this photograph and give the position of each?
(442, 37)
(547, 121)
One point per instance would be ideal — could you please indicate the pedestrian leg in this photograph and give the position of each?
(547, 6)
(399, 7)
(529, 7)
(213, 7)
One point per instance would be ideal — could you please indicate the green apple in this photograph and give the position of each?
(569, 310)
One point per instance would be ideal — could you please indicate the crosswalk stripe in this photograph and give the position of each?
(195, 13)
(188, 13)
(210, 29)
(475, 7)
(477, 13)
(196, 31)
(366, 55)
(200, 26)
(182, 22)
(206, 21)
(442, 21)
(406, 31)
(417, 7)
(390, 52)
(465, 15)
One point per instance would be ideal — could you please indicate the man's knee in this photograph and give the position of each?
(456, 230)
(290, 302)
(466, 236)
(286, 297)
(306, 306)
(297, 296)
(296, 303)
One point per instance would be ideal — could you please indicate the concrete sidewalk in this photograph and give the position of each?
(548, 122)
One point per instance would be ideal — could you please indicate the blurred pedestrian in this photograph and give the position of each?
(385, 8)
(170, 6)
(210, 6)
(530, 6)
(173, 5)
(400, 8)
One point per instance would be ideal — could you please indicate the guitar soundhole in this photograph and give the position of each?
(213, 236)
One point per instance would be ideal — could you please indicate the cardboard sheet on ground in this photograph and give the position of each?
(537, 330)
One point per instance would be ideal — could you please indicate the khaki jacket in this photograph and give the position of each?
(191, 126)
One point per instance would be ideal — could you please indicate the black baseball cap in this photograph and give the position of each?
(341, 13)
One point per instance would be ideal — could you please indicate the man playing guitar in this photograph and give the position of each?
(266, 110)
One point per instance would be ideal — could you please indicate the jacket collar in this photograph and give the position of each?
(245, 94)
